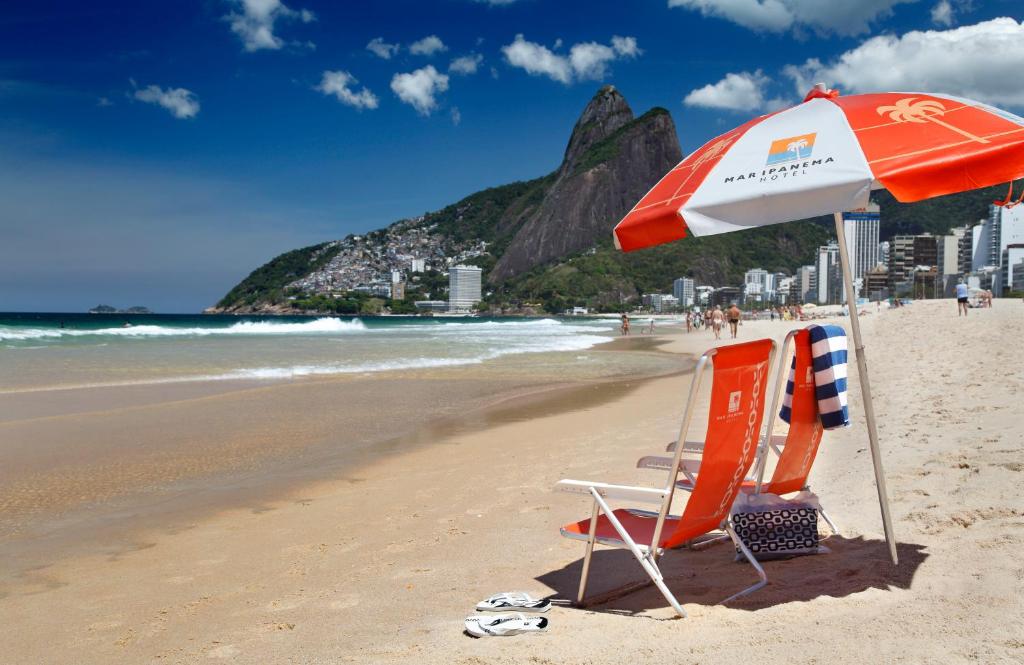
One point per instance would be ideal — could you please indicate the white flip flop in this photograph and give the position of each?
(503, 625)
(514, 600)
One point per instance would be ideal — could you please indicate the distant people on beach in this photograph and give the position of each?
(961, 298)
(689, 321)
(707, 318)
(651, 330)
(734, 320)
(717, 318)
(625, 324)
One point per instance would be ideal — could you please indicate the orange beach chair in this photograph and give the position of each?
(739, 386)
(796, 451)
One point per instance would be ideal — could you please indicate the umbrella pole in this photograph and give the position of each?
(865, 387)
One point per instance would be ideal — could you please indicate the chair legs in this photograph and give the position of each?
(831, 524)
(749, 557)
(591, 537)
(644, 558)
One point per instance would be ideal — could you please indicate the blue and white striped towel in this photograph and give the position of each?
(828, 351)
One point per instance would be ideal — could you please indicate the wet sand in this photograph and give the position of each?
(84, 470)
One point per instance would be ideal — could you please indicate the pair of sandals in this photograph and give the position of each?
(503, 625)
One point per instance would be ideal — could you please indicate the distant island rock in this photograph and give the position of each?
(107, 309)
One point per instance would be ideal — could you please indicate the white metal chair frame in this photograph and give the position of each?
(647, 556)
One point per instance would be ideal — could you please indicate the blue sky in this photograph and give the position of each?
(154, 153)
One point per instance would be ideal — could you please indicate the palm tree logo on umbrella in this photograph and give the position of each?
(909, 109)
(792, 148)
(796, 146)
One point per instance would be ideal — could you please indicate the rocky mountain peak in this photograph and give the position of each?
(612, 160)
(607, 112)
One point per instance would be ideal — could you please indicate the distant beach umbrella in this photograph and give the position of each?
(825, 156)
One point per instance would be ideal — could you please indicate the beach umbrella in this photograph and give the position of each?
(825, 156)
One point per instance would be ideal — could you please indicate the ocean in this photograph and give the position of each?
(42, 352)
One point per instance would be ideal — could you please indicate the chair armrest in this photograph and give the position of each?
(665, 463)
(619, 492)
(777, 441)
(688, 446)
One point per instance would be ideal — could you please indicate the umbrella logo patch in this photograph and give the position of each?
(791, 149)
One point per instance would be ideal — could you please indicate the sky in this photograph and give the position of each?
(155, 153)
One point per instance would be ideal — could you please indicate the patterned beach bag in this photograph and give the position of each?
(773, 527)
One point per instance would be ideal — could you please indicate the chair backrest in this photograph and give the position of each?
(805, 429)
(734, 425)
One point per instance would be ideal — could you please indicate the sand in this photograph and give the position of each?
(384, 564)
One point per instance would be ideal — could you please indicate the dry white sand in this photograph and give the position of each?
(384, 566)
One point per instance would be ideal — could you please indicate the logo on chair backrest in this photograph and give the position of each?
(734, 401)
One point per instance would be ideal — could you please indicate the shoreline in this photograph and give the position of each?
(112, 523)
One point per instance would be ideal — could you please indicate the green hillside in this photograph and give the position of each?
(267, 282)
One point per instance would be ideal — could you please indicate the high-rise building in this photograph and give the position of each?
(948, 258)
(683, 290)
(883, 253)
(806, 285)
(463, 287)
(901, 262)
(418, 265)
(757, 285)
(828, 260)
(861, 230)
(964, 248)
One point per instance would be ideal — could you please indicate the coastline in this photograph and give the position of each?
(89, 469)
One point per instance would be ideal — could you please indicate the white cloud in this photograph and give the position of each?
(844, 17)
(736, 92)
(420, 88)
(180, 102)
(104, 101)
(427, 46)
(381, 48)
(253, 21)
(465, 65)
(979, 61)
(586, 60)
(626, 46)
(338, 83)
(456, 116)
(942, 13)
(537, 59)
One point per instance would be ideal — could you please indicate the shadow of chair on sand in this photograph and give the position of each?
(708, 576)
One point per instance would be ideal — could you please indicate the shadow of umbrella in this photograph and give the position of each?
(706, 577)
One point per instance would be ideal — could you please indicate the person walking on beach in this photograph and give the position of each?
(961, 298)
(717, 318)
(707, 319)
(625, 324)
(734, 321)
(689, 321)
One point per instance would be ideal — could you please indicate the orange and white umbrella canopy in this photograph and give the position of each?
(826, 155)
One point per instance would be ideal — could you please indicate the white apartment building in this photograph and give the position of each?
(464, 287)
(758, 285)
(862, 227)
(683, 291)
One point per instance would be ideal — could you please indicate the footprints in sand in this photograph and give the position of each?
(964, 519)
